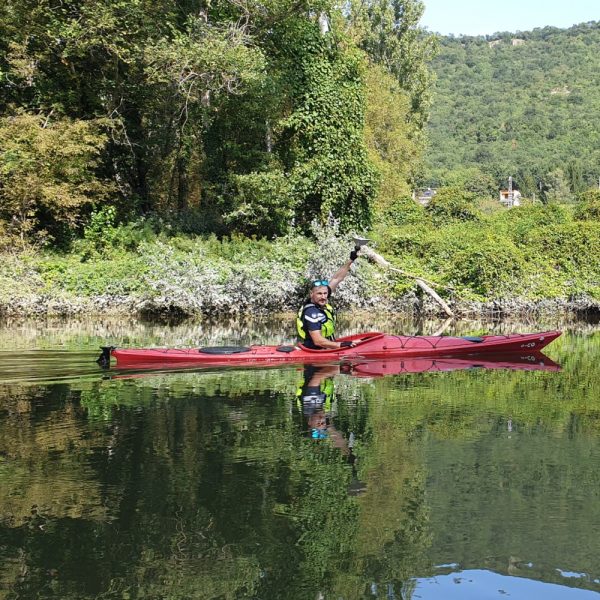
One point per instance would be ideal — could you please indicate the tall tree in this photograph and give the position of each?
(389, 32)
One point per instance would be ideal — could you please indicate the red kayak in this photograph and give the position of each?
(368, 346)
(364, 368)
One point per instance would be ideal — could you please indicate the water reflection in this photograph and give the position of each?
(212, 484)
(480, 584)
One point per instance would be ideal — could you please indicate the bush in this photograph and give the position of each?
(519, 222)
(452, 204)
(8, 239)
(414, 240)
(48, 173)
(588, 206)
(404, 211)
(102, 236)
(572, 247)
(121, 275)
(99, 233)
(486, 263)
(262, 204)
(472, 179)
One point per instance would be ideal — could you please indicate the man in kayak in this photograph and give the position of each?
(316, 318)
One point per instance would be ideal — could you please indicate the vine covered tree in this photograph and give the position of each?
(222, 117)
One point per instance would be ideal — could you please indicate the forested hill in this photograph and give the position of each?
(525, 104)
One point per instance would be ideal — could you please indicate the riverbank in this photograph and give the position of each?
(162, 308)
(530, 260)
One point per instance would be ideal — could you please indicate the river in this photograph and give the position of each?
(435, 481)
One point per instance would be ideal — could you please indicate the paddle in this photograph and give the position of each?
(360, 243)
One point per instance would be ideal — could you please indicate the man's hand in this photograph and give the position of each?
(354, 254)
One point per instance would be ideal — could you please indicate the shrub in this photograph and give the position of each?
(477, 259)
(99, 232)
(588, 206)
(412, 240)
(262, 204)
(572, 247)
(47, 169)
(404, 211)
(452, 204)
(519, 222)
(8, 239)
(121, 275)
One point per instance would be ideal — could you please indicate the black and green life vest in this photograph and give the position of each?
(326, 390)
(327, 327)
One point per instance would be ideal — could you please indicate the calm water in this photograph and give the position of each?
(448, 483)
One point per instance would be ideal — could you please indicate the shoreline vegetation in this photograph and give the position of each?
(165, 162)
(531, 259)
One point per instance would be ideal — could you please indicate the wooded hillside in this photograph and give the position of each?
(525, 104)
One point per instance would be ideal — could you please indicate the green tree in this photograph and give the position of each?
(262, 204)
(470, 179)
(574, 172)
(48, 178)
(558, 189)
(389, 136)
(327, 156)
(452, 204)
(190, 72)
(388, 30)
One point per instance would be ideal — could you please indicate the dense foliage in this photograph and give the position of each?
(513, 257)
(523, 104)
(186, 156)
(217, 117)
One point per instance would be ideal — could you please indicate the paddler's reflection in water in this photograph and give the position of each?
(317, 405)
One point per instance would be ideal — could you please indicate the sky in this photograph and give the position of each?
(484, 17)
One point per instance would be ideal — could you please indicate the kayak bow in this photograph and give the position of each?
(370, 346)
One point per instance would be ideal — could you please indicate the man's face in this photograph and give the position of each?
(318, 420)
(319, 295)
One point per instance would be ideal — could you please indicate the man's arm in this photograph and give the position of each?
(322, 342)
(340, 275)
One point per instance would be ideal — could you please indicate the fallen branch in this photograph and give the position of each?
(425, 285)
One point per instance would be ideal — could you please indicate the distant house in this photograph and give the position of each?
(424, 195)
(506, 199)
(513, 42)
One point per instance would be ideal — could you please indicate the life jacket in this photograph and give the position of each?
(327, 327)
(325, 396)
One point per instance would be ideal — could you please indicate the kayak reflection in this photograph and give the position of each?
(534, 361)
(361, 367)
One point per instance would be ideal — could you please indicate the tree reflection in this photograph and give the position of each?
(211, 485)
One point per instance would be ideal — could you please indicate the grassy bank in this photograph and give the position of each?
(512, 260)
